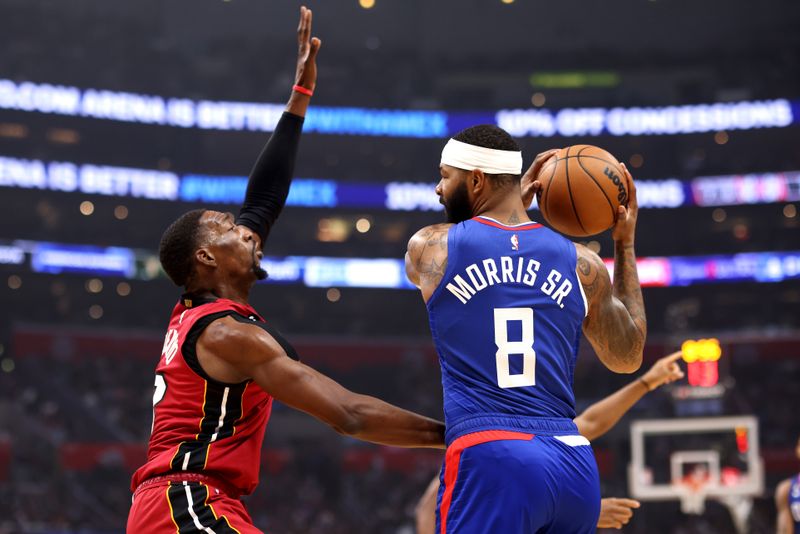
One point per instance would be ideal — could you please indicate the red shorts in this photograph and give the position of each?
(169, 505)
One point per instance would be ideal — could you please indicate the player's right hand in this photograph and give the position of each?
(306, 74)
(616, 512)
(529, 183)
(625, 227)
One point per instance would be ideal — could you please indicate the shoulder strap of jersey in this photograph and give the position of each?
(190, 343)
(271, 330)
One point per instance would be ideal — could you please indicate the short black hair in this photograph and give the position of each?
(178, 244)
(490, 136)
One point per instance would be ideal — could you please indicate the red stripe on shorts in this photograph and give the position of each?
(453, 457)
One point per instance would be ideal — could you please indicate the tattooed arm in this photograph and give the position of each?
(610, 326)
(616, 325)
(426, 258)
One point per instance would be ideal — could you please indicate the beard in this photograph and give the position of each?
(258, 271)
(457, 208)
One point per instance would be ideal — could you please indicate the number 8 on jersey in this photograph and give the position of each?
(505, 348)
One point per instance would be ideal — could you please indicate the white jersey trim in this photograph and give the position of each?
(583, 293)
(508, 225)
(573, 441)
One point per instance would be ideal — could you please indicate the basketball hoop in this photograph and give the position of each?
(697, 450)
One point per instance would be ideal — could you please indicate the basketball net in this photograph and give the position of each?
(693, 496)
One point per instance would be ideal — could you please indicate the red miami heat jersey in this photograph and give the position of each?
(201, 425)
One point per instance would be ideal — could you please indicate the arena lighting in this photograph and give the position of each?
(318, 271)
(574, 79)
(11, 255)
(57, 258)
(123, 182)
(262, 117)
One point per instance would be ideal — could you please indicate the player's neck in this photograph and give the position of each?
(508, 210)
(222, 290)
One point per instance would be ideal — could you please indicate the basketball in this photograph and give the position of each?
(582, 187)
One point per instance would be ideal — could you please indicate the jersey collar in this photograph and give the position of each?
(488, 221)
(191, 300)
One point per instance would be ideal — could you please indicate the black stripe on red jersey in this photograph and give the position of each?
(189, 349)
(191, 513)
(222, 409)
(272, 331)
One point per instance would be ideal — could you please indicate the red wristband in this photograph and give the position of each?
(302, 90)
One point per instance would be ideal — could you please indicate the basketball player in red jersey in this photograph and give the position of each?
(222, 364)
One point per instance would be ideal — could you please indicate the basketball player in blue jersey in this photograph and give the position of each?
(787, 501)
(507, 299)
(593, 423)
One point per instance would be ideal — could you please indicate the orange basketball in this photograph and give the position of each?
(582, 187)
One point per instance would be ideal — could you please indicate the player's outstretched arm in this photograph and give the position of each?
(601, 416)
(271, 176)
(241, 351)
(784, 519)
(616, 325)
(426, 258)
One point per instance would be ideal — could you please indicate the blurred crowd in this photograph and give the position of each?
(76, 423)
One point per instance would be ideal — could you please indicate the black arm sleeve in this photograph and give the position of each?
(271, 177)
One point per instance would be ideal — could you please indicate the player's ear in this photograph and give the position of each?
(476, 181)
(205, 257)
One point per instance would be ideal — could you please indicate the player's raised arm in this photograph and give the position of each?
(601, 416)
(271, 176)
(784, 519)
(242, 351)
(611, 327)
(616, 325)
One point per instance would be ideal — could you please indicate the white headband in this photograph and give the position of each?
(489, 160)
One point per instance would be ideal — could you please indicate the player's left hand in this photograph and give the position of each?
(664, 371)
(306, 74)
(625, 228)
(616, 512)
(529, 183)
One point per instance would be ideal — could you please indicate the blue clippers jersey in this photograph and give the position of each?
(794, 502)
(506, 320)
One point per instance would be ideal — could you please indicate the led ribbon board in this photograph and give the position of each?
(92, 179)
(318, 271)
(262, 117)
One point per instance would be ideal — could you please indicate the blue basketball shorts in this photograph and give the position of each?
(510, 482)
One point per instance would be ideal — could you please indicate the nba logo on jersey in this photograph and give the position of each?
(514, 242)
